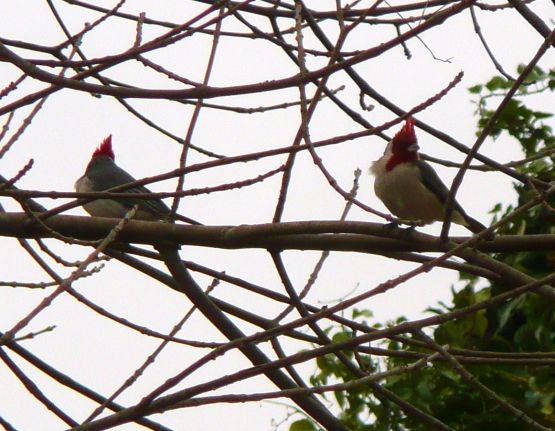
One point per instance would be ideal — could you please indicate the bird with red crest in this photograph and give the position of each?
(410, 188)
(103, 174)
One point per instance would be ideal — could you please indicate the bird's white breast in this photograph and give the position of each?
(403, 193)
(99, 207)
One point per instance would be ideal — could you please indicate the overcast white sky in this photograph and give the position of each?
(101, 354)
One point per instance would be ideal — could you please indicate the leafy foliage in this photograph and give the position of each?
(525, 324)
(302, 425)
(358, 404)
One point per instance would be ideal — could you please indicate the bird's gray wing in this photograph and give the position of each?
(122, 177)
(432, 181)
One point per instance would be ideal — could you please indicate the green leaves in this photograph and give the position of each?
(303, 425)
(497, 83)
(517, 119)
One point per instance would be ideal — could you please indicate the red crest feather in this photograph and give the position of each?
(403, 146)
(406, 136)
(105, 148)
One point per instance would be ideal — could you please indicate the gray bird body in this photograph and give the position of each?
(410, 188)
(103, 174)
(413, 191)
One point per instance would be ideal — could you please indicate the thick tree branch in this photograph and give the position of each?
(305, 235)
